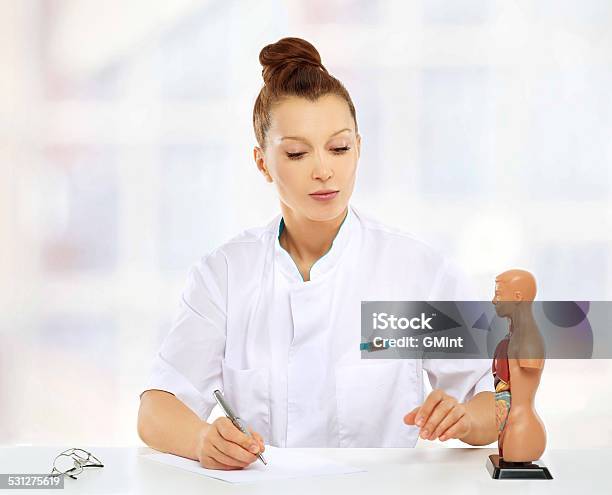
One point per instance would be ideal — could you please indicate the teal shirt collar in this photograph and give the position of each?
(323, 263)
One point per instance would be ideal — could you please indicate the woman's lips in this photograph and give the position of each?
(325, 196)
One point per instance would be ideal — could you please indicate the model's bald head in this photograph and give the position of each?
(515, 285)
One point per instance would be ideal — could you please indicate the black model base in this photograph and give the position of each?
(503, 470)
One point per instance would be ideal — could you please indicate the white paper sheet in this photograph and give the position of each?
(282, 464)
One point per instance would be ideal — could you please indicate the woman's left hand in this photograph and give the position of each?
(440, 416)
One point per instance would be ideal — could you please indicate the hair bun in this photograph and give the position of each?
(288, 52)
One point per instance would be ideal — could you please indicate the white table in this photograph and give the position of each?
(401, 471)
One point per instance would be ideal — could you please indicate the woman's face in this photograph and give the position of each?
(311, 147)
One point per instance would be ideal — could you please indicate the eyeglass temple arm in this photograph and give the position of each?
(65, 473)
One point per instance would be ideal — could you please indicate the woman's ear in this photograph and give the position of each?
(260, 161)
(358, 138)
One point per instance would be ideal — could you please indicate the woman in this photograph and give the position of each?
(272, 317)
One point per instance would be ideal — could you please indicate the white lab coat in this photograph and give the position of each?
(286, 352)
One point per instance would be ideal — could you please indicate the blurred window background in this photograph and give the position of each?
(126, 154)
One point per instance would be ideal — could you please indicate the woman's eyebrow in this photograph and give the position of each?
(300, 138)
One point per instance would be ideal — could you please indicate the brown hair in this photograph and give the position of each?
(292, 67)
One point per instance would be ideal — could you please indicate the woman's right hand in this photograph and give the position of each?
(223, 446)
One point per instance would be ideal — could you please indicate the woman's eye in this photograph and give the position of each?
(300, 154)
(295, 156)
(339, 151)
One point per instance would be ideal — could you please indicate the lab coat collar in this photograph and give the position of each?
(323, 265)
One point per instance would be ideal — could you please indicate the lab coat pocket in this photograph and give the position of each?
(247, 392)
(372, 398)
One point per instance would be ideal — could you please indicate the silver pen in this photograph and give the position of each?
(237, 421)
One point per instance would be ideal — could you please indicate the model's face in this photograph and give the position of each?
(311, 147)
(503, 300)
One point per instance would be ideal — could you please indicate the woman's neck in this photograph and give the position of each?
(307, 240)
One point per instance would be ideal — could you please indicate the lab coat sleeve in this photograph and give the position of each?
(188, 363)
(460, 378)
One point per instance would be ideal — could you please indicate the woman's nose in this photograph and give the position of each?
(322, 171)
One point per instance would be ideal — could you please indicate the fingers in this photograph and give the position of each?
(455, 415)
(410, 418)
(224, 439)
(232, 434)
(438, 416)
(226, 459)
(211, 457)
(224, 446)
(210, 463)
(259, 439)
(427, 407)
(455, 431)
(442, 409)
(236, 451)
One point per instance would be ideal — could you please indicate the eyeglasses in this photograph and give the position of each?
(71, 463)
